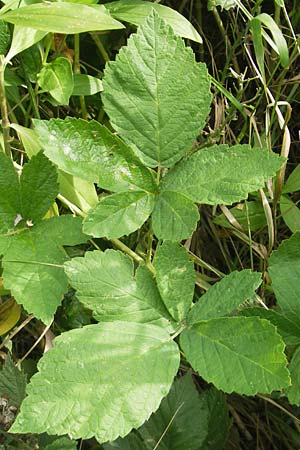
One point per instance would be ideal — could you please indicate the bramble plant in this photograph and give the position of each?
(120, 372)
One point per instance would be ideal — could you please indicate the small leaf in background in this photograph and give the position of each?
(9, 194)
(101, 380)
(32, 264)
(136, 11)
(184, 420)
(175, 277)
(225, 296)
(293, 182)
(290, 331)
(252, 212)
(140, 77)
(56, 78)
(293, 392)
(222, 174)
(62, 443)
(174, 216)
(90, 151)
(62, 17)
(119, 214)
(241, 354)
(86, 85)
(10, 313)
(12, 383)
(23, 38)
(225, 4)
(290, 213)
(105, 283)
(5, 37)
(284, 269)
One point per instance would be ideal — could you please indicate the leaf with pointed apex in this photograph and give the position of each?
(119, 214)
(39, 187)
(168, 94)
(101, 380)
(106, 284)
(174, 216)
(293, 392)
(10, 204)
(284, 269)
(56, 78)
(222, 174)
(175, 277)
(185, 420)
(241, 354)
(225, 296)
(32, 264)
(90, 151)
(136, 11)
(290, 213)
(62, 17)
(12, 383)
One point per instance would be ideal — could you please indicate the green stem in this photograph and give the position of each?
(100, 47)
(77, 71)
(4, 111)
(205, 265)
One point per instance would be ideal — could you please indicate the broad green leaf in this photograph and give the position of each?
(12, 383)
(10, 313)
(105, 283)
(183, 421)
(10, 204)
(136, 11)
(168, 94)
(119, 214)
(251, 215)
(32, 264)
(293, 392)
(290, 213)
(225, 296)
(101, 380)
(62, 17)
(79, 192)
(175, 277)
(90, 151)
(86, 85)
(284, 269)
(241, 354)
(23, 38)
(293, 182)
(289, 330)
(38, 186)
(222, 174)
(174, 216)
(56, 78)
(5, 37)
(62, 443)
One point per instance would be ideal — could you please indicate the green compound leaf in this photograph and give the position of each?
(222, 174)
(32, 264)
(105, 283)
(39, 187)
(119, 214)
(101, 380)
(62, 17)
(30, 198)
(174, 216)
(293, 392)
(225, 296)
(284, 269)
(136, 11)
(184, 421)
(241, 354)
(175, 277)
(90, 151)
(56, 78)
(12, 383)
(156, 74)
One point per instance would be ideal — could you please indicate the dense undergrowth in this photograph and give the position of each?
(175, 182)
